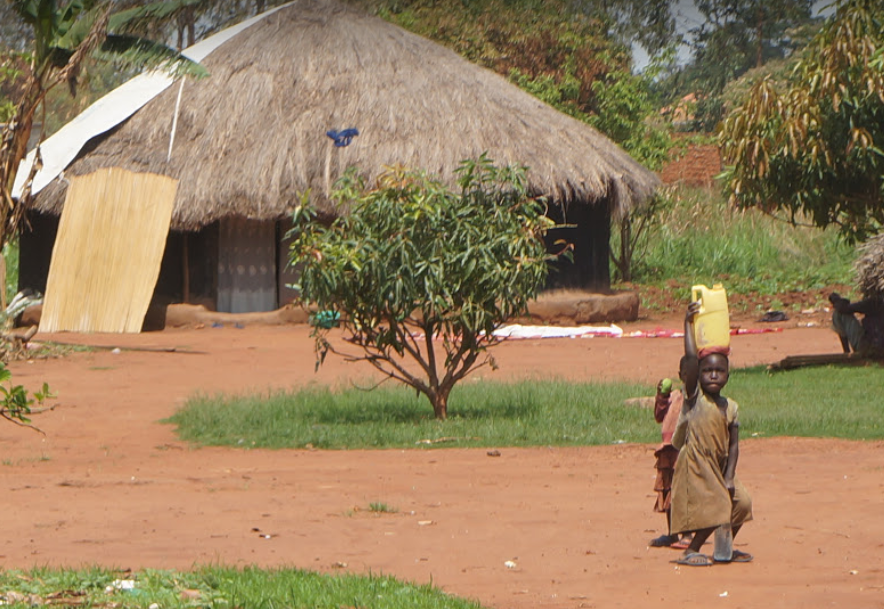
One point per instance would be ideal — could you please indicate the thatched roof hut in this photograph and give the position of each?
(869, 267)
(250, 139)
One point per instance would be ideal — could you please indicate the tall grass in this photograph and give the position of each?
(819, 402)
(696, 236)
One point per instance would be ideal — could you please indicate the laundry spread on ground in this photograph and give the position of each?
(611, 331)
(518, 331)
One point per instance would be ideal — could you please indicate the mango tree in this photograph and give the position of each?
(813, 147)
(419, 276)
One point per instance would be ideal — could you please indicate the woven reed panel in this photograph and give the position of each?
(108, 251)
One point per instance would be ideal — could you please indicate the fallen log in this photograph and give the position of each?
(824, 359)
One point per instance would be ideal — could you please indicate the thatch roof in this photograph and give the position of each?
(869, 266)
(252, 137)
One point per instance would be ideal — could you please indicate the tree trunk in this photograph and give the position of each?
(12, 150)
(626, 248)
(440, 405)
(3, 283)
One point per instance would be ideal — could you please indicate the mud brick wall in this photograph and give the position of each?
(697, 167)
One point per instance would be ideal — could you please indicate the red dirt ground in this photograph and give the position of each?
(109, 484)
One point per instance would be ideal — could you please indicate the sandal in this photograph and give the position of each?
(695, 559)
(738, 556)
(681, 544)
(664, 541)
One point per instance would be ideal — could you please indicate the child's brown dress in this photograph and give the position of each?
(700, 499)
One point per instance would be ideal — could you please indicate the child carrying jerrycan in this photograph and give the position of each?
(707, 497)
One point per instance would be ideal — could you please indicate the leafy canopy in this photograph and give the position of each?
(420, 276)
(815, 147)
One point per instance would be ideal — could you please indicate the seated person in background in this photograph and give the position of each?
(865, 337)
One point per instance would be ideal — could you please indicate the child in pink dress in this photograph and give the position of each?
(667, 407)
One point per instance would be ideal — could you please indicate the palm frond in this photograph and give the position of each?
(131, 21)
(131, 52)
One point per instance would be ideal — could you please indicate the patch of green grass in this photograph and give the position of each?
(831, 401)
(815, 402)
(218, 587)
(480, 414)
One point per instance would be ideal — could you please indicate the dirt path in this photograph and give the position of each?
(109, 484)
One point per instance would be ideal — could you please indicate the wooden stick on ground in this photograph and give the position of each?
(803, 361)
(121, 348)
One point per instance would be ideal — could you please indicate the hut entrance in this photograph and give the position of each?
(588, 230)
(233, 265)
(246, 265)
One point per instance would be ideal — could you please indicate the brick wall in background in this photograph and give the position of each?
(697, 167)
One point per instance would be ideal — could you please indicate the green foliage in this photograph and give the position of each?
(414, 269)
(814, 147)
(16, 402)
(11, 66)
(562, 93)
(220, 586)
(697, 236)
(563, 53)
(626, 110)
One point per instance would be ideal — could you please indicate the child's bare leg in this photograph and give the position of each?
(698, 540)
(739, 555)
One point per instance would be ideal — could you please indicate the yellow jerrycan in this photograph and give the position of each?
(712, 326)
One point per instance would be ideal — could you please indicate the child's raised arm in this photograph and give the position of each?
(691, 368)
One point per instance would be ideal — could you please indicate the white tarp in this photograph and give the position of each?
(59, 150)
(520, 331)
